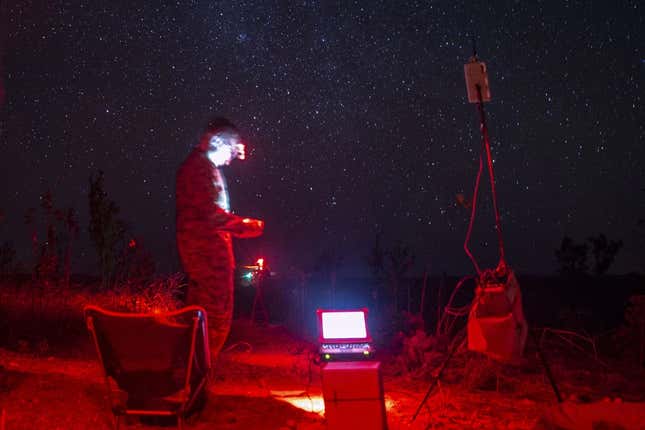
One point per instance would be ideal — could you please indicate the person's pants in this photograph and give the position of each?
(210, 272)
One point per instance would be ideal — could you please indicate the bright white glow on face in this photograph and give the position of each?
(221, 154)
(224, 147)
(343, 325)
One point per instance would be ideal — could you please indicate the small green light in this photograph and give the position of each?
(327, 356)
(366, 353)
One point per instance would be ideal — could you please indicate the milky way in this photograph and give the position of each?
(355, 116)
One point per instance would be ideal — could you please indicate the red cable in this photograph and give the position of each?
(498, 222)
(473, 212)
(489, 159)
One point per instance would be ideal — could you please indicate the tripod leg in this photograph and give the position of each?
(547, 369)
(255, 300)
(265, 312)
(436, 380)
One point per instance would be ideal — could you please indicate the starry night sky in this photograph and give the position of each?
(355, 115)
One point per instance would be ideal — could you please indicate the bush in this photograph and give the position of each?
(632, 333)
(418, 353)
(32, 315)
(159, 295)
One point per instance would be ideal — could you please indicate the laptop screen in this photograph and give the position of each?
(343, 325)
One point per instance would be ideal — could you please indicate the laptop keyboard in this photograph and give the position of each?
(345, 348)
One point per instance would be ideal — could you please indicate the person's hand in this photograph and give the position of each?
(243, 227)
(251, 227)
(240, 151)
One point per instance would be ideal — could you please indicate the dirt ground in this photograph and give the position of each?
(265, 379)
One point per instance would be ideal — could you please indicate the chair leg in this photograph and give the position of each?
(117, 421)
(180, 421)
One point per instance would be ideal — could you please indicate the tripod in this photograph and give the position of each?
(258, 299)
(479, 93)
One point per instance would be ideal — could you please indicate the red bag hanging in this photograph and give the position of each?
(496, 324)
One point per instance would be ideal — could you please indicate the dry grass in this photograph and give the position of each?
(52, 379)
(68, 393)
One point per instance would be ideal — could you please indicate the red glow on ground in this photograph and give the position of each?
(309, 403)
(316, 403)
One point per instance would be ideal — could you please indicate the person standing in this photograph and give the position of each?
(205, 226)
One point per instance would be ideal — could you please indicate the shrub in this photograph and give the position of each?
(162, 294)
(106, 229)
(632, 333)
(33, 316)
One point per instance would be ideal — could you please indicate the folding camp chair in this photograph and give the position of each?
(154, 364)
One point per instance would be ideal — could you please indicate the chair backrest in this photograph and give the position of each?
(129, 345)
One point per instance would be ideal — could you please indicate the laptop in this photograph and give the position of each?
(343, 335)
